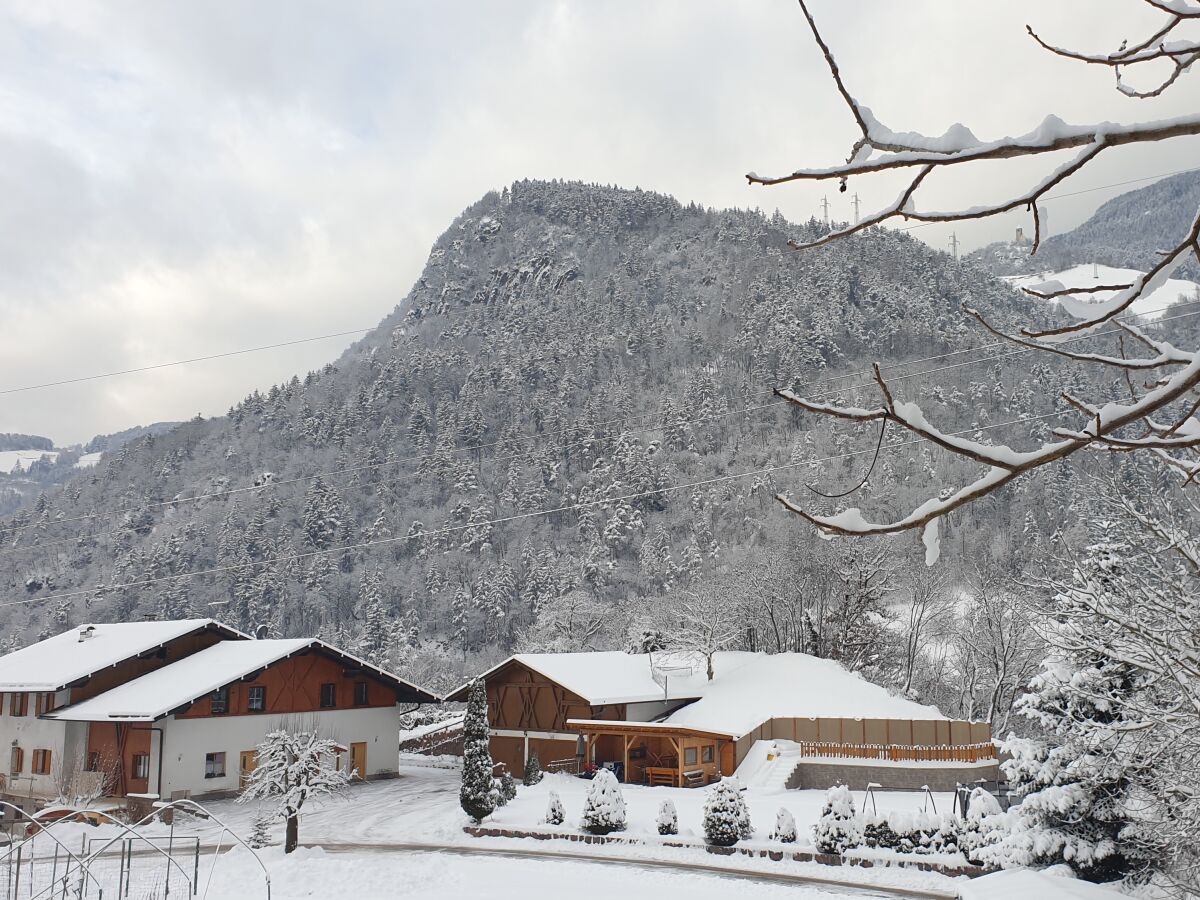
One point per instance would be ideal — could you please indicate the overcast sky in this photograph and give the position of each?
(178, 179)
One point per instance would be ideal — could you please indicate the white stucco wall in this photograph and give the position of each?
(188, 741)
(32, 733)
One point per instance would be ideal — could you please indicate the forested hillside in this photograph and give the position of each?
(578, 349)
(1126, 232)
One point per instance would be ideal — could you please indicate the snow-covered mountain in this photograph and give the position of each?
(565, 344)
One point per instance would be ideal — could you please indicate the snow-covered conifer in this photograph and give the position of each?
(478, 794)
(605, 808)
(555, 814)
(533, 770)
(506, 788)
(725, 813)
(260, 832)
(839, 828)
(667, 819)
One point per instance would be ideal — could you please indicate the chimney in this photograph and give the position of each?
(85, 632)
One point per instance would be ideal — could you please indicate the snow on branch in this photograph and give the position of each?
(1106, 426)
(1181, 54)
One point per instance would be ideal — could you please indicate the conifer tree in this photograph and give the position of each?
(839, 828)
(667, 819)
(605, 808)
(725, 813)
(555, 814)
(533, 770)
(478, 794)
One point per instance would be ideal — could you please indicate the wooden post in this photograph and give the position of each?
(627, 759)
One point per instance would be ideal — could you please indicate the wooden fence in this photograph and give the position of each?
(967, 753)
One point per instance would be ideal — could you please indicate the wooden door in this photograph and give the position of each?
(358, 760)
(249, 762)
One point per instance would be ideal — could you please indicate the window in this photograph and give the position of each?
(328, 696)
(41, 762)
(689, 756)
(93, 761)
(361, 694)
(17, 761)
(706, 754)
(220, 701)
(214, 765)
(45, 703)
(18, 704)
(141, 766)
(256, 699)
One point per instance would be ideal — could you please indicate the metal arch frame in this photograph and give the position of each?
(82, 863)
(160, 807)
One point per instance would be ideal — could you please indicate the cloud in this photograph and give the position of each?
(183, 179)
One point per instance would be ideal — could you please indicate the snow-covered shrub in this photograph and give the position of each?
(478, 794)
(785, 827)
(605, 809)
(839, 828)
(668, 819)
(506, 788)
(912, 832)
(878, 833)
(554, 810)
(984, 826)
(533, 770)
(726, 817)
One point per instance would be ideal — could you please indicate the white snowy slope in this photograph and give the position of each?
(1089, 275)
(88, 460)
(12, 460)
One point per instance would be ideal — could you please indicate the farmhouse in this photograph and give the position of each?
(175, 709)
(788, 719)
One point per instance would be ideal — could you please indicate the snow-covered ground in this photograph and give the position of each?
(404, 838)
(11, 460)
(88, 460)
(1151, 305)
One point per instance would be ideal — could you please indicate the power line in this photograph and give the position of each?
(175, 502)
(292, 557)
(183, 362)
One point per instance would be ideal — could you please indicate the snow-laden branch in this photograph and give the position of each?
(1005, 464)
(1177, 371)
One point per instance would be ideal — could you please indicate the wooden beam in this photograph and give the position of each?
(627, 738)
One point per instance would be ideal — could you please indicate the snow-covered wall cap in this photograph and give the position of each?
(66, 658)
(164, 690)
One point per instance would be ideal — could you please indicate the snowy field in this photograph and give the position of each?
(1151, 305)
(11, 460)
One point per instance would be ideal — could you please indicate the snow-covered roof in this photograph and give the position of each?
(56, 662)
(1042, 885)
(609, 676)
(157, 693)
(747, 688)
(791, 686)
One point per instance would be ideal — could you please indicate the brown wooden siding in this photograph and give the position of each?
(294, 686)
(520, 699)
(172, 651)
(117, 743)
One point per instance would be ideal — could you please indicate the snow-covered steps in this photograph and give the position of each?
(769, 764)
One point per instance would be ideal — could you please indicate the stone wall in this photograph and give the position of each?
(820, 775)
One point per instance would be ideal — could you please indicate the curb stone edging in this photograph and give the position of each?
(777, 855)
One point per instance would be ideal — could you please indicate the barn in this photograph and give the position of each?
(657, 719)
